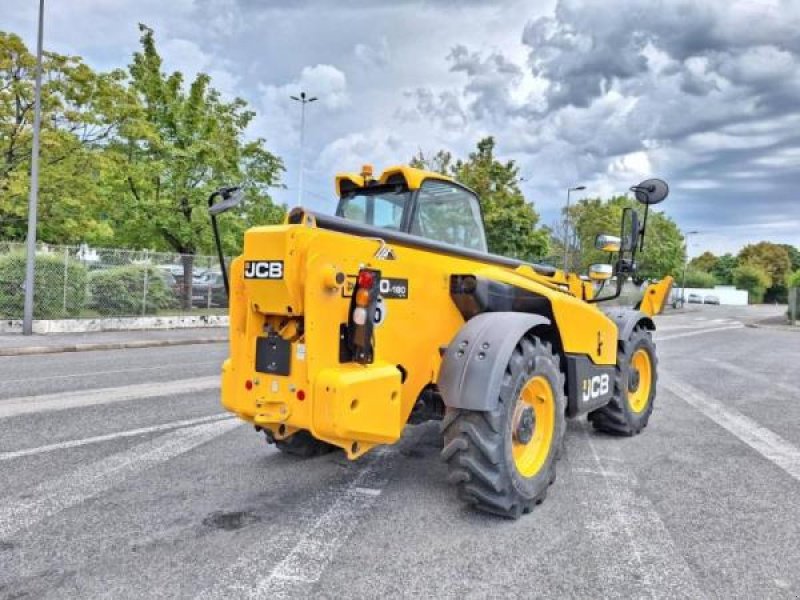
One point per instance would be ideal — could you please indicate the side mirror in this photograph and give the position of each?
(630, 230)
(651, 191)
(607, 243)
(601, 272)
(231, 197)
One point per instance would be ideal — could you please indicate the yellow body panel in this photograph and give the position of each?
(655, 296)
(411, 334)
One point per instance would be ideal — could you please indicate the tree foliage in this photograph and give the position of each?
(177, 147)
(707, 261)
(663, 248)
(723, 268)
(699, 279)
(509, 218)
(774, 260)
(752, 278)
(81, 111)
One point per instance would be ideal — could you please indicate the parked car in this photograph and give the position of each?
(710, 299)
(209, 290)
(695, 299)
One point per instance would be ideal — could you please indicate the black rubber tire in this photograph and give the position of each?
(477, 444)
(616, 417)
(304, 445)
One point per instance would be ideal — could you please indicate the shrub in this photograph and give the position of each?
(59, 289)
(793, 279)
(120, 291)
(752, 278)
(700, 279)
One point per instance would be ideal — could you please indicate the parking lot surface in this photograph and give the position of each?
(121, 477)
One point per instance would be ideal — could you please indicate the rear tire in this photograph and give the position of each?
(304, 445)
(630, 408)
(489, 460)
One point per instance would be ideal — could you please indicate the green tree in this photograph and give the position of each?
(663, 248)
(178, 146)
(794, 256)
(775, 261)
(705, 262)
(81, 110)
(509, 218)
(723, 269)
(752, 278)
(699, 279)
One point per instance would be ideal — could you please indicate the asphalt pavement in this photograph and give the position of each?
(121, 477)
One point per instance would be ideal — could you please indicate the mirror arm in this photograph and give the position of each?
(218, 243)
(644, 228)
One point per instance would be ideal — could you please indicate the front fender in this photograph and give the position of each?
(628, 318)
(475, 361)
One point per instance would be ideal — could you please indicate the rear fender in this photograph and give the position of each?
(475, 361)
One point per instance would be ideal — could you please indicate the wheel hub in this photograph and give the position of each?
(633, 380)
(525, 425)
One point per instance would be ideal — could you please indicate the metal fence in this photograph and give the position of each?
(85, 282)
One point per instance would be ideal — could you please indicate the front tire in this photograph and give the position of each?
(630, 408)
(503, 461)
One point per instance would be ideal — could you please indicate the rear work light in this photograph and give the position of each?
(360, 324)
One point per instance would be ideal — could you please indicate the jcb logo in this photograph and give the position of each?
(263, 269)
(594, 387)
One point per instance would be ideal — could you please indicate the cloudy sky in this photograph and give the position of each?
(704, 93)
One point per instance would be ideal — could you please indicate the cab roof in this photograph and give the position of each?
(402, 174)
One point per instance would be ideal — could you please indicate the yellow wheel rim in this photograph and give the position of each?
(640, 380)
(536, 396)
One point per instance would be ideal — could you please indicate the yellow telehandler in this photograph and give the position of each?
(346, 328)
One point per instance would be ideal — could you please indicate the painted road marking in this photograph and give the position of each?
(11, 407)
(33, 505)
(764, 441)
(330, 517)
(652, 560)
(698, 332)
(114, 371)
(748, 374)
(113, 436)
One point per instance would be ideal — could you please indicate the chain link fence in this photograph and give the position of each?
(84, 282)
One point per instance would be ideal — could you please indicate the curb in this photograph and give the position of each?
(28, 350)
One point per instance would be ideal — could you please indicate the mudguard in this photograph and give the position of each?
(626, 319)
(475, 361)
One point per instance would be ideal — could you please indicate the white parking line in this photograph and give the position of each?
(33, 505)
(764, 441)
(339, 509)
(173, 366)
(112, 436)
(619, 512)
(11, 407)
(697, 332)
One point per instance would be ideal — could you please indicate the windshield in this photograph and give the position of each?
(382, 206)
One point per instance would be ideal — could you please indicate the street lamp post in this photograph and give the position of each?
(685, 263)
(303, 100)
(567, 224)
(33, 198)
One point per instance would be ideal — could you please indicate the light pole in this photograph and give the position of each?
(685, 263)
(33, 198)
(303, 100)
(566, 224)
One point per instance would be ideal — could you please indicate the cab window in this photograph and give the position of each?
(449, 213)
(375, 206)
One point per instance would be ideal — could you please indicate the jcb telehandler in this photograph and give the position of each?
(346, 328)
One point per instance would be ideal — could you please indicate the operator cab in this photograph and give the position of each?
(413, 201)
